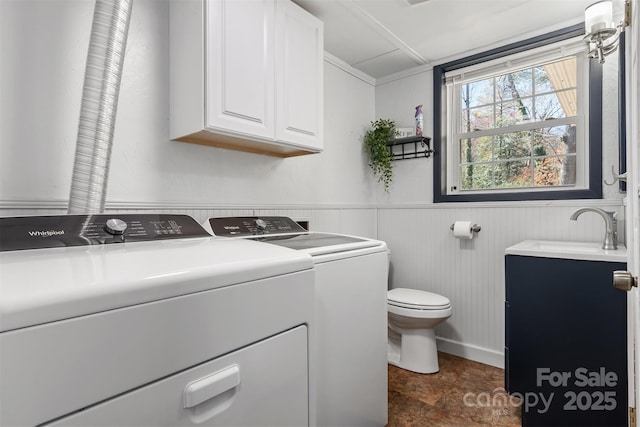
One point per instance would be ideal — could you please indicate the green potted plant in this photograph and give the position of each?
(375, 143)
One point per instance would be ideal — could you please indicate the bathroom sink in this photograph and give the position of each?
(590, 251)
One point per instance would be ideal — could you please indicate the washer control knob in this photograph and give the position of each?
(261, 225)
(115, 226)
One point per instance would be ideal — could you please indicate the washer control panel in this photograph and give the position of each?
(254, 226)
(35, 232)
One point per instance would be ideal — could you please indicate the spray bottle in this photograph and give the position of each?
(419, 120)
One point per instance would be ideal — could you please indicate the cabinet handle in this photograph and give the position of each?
(211, 386)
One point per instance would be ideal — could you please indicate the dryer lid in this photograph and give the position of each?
(414, 298)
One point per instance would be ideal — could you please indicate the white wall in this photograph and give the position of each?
(44, 46)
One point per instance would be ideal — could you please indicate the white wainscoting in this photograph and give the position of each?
(425, 255)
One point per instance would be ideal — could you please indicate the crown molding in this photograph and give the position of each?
(420, 69)
(339, 63)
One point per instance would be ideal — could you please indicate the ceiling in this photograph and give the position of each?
(383, 37)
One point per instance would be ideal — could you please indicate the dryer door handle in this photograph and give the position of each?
(211, 386)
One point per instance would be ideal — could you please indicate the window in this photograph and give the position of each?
(519, 123)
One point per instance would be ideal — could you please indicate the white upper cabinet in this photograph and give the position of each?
(299, 76)
(246, 75)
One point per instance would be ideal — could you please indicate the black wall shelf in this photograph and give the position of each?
(411, 147)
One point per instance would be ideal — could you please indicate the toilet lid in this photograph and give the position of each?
(414, 298)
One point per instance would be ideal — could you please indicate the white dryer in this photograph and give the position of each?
(146, 320)
(351, 315)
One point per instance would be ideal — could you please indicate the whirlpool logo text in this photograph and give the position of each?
(47, 233)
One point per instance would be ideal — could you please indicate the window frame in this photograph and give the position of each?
(593, 188)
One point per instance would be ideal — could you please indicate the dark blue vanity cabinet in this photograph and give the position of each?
(566, 341)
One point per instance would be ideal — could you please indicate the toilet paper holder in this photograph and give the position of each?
(475, 228)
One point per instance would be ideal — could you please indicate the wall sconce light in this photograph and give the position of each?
(603, 34)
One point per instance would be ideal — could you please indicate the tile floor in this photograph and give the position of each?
(463, 394)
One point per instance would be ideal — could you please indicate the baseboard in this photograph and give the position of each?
(471, 352)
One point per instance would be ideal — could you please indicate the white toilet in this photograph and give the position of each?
(413, 315)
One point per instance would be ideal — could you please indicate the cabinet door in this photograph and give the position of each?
(299, 76)
(566, 341)
(240, 67)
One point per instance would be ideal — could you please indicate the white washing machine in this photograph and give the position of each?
(351, 315)
(146, 320)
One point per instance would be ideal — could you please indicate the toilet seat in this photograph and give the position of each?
(417, 300)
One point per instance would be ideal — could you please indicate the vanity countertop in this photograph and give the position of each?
(588, 251)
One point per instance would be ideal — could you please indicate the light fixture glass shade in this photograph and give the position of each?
(598, 17)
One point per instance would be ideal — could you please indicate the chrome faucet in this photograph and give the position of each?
(611, 232)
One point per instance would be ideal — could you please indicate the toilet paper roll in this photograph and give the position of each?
(462, 230)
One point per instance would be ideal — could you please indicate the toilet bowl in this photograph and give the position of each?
(413, 314)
